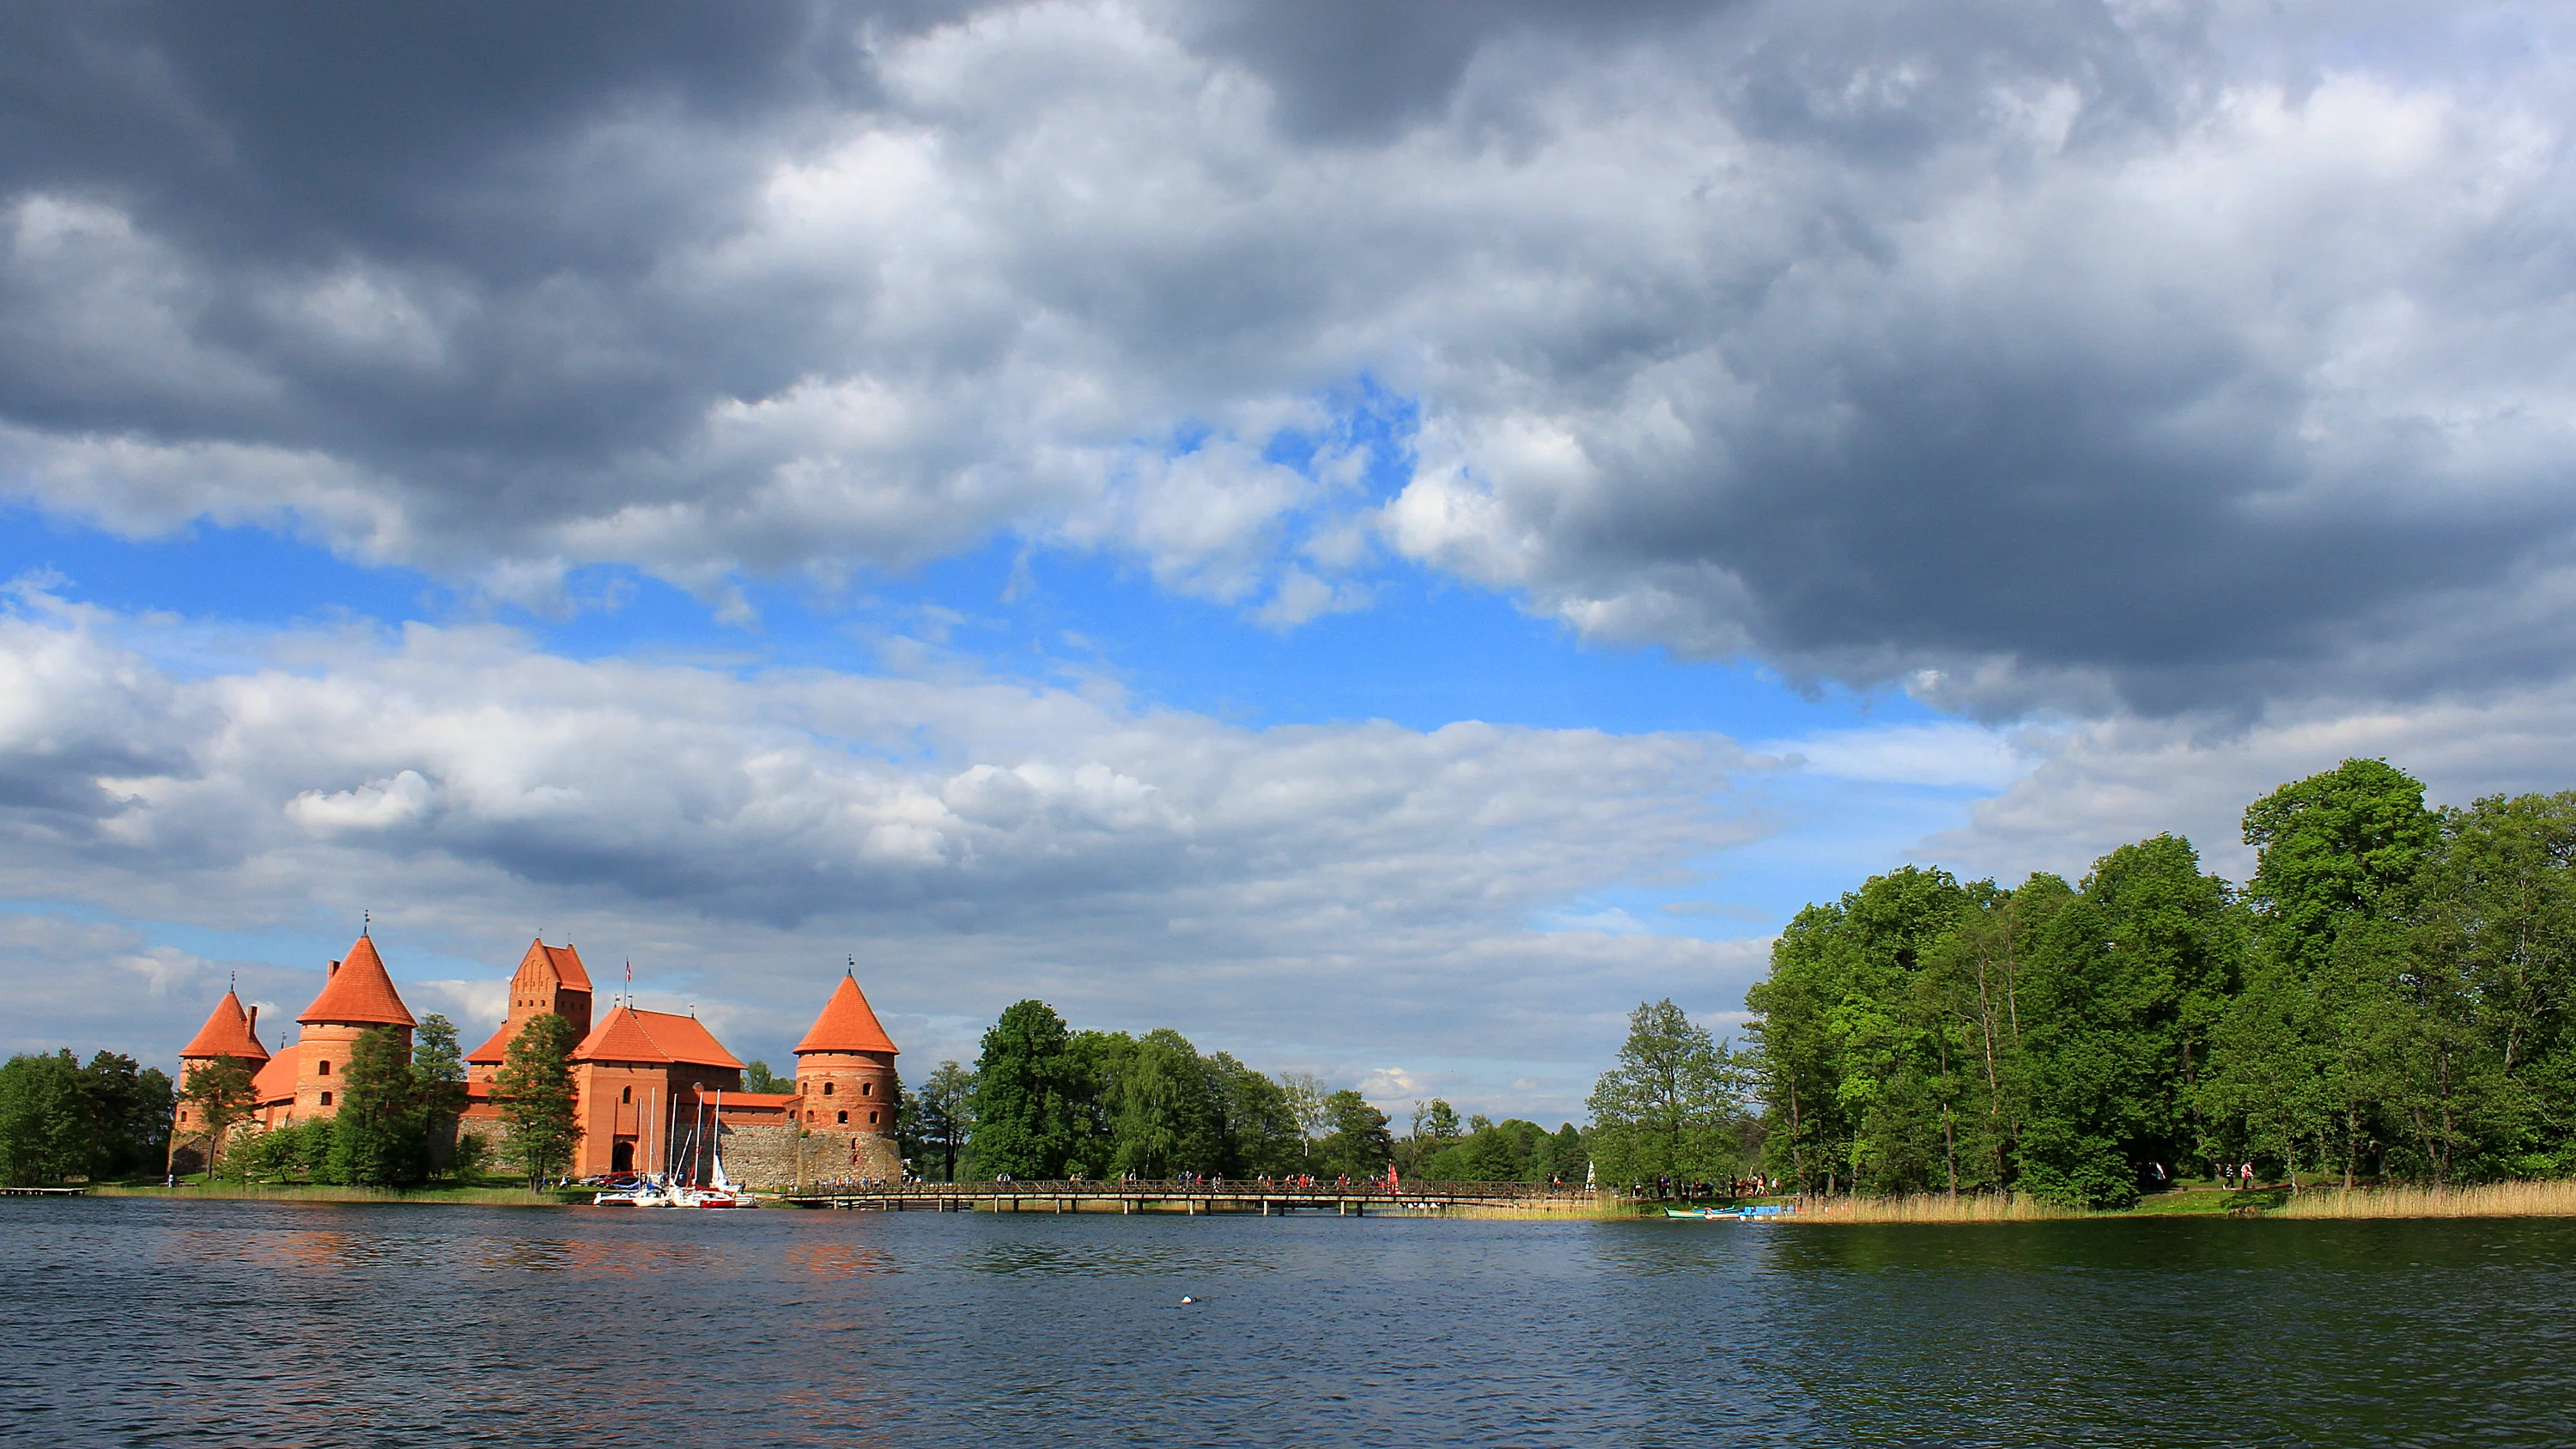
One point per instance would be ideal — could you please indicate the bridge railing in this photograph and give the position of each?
(1231, 1187)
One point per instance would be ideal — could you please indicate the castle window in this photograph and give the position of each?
(867, 1089)
(872, 1119)
(326, 1069)
(827, 1089)
(844, 1119)
(626, 1094)
(326, 1099)
(809, 1116)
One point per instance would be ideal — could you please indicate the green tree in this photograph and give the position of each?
(945, 1118)
(1028, 1092)
(757, 1077)
(1356, 1143)
(438, 1087)
(1669, 1107)
(2334, 845)
(44, 1127)
(218, 1094)
(378, 1138)
(128, 1109)
(1166, 1117)
(285, 1154)
(1257, 1121)
(535, 1096)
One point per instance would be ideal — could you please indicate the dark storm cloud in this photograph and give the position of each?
(2096, 356)
(1357, 69)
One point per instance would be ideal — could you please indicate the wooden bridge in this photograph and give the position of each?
(1267, 1199)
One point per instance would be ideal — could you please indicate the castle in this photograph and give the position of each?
(642, 1080)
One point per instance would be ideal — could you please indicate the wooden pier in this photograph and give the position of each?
(1263, 1199)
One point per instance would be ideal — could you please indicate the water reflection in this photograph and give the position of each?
(406, 1325)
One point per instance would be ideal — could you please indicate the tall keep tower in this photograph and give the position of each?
(845, 1080)
(549, 979)
(357, 997)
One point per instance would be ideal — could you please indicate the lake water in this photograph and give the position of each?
(145, 1322)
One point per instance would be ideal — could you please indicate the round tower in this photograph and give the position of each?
(845, 1077)
(229, 1032)
(356, 998)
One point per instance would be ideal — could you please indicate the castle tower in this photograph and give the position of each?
(549, 978)
(845, 1080)
(358, 996)
(228, 1032)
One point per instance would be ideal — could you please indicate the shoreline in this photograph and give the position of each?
(2492, 1200)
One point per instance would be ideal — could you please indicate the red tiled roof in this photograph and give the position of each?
(629, 1035)
(496, 1049)
(360, 991)
(847, 1025)
(564, 959)
(276, 1082)
(227, 1033)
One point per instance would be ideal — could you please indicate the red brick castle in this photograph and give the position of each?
(634, 1073)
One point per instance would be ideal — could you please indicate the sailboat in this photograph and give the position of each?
(720, 1191)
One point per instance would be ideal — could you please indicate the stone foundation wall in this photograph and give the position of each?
(784, 1157)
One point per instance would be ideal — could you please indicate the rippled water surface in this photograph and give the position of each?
(146, 1322)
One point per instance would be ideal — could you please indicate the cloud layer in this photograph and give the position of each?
(2071, 356)
(1349, 897)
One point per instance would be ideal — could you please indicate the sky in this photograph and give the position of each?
(1378, 536)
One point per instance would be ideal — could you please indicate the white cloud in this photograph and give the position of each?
(1944, 754)
(1309, 895)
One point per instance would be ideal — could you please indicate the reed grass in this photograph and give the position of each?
(1927, 1208)
(1600, 1212)
(2487, 1200)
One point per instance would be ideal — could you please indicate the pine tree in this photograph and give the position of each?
(438, 1085)
(378, 1138)
(944, 1117)
(535, 1095)
(220, 1093)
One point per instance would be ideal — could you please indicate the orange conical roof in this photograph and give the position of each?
(629, 1035)
(359, 991)
(847, 1025)
(226, 1033)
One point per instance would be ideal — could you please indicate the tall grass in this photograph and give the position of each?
(2489, 1200)
(1978, 1208)
(1603, 1211)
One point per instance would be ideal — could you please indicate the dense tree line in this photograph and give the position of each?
(1444, 1149)
(2389, 996)
(1044, 1101)
(61, 1120)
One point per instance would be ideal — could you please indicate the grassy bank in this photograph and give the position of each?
(315, 1192)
